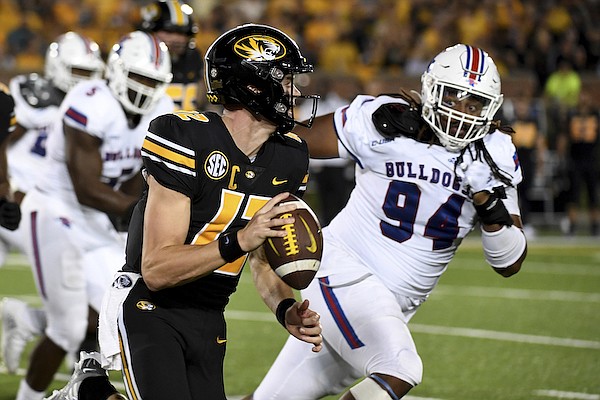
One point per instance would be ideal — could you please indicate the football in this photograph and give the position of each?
(296, 257)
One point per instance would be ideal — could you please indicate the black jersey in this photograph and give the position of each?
(7, 113)
(187, 75)
(193, 153)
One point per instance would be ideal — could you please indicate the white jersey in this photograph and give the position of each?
(36, 110)
(91, 107)
(409, 210)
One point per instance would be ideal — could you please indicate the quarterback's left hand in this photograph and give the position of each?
(10, 214)
(303, 323)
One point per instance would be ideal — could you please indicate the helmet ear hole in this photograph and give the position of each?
(247, 64)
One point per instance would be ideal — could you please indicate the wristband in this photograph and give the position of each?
(229, 247)
(282, 309)
(493, 211)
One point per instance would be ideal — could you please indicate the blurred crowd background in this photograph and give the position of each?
(548, 53)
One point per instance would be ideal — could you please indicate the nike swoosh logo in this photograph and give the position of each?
(276, 182)
(221, 341)
(313, 243)
(88, 370)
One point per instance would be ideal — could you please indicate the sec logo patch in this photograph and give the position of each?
(216, 165)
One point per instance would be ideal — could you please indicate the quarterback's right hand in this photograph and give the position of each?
(10, 214)
(265, 223)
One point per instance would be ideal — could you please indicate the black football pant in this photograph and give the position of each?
(171, 350)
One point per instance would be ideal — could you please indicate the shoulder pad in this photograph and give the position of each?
(4, 88)
(6, 100)
(7, 106)
(189, 115)
(293, 136)
(181, 125)
(397, 119)
(291, 139)
(39, 92)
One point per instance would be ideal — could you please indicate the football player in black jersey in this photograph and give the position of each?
(10, 213)
(172, 22)
(213, 185)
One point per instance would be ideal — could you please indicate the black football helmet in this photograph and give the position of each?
(168, 15)
(246, 66)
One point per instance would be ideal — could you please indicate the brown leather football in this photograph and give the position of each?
(296, 257)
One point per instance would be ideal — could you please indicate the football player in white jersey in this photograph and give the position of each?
(426, 172)
(71, 58)
(92, 170)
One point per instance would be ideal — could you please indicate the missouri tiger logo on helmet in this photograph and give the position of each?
(259, 48)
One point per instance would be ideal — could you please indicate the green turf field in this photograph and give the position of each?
(482, 337)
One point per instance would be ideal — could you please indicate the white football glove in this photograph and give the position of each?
(478, 177)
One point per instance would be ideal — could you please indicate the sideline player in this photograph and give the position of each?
(172, 22)
(426, 173)
(70, 59)
(213, 187)
(91, 170)
(10, 214)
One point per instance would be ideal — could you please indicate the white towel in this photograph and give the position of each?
(108, 331)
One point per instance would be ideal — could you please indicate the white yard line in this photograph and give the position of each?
(505, 336)
(532, 267)
(121, 387)
(567, 395)
(520, 294)
(449, 331)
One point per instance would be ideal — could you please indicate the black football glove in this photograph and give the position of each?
(10, 214)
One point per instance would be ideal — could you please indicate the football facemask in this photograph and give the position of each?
(461, 95)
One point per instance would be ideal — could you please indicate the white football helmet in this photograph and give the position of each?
(139, 70)
(72, 58)
(461, 94)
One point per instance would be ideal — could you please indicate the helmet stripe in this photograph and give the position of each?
(86, 43)
(156, 53)
(178, 17)
(475, 61)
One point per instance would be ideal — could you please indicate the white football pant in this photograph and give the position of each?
(73, 256)
(364, 330)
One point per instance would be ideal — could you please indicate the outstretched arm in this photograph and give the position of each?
(321, 137)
